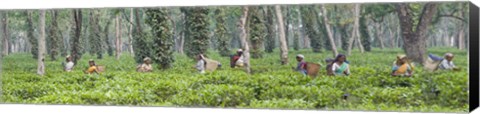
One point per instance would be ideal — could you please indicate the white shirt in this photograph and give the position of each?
(240, 60)
(337, 66)
(201, 66)
(446, 65)
(69, 66)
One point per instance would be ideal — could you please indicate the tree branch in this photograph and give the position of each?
(455, 17)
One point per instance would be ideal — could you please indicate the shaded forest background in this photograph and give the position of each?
(160, 32)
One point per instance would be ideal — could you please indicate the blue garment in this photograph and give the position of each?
(435, 58)
(299, 67)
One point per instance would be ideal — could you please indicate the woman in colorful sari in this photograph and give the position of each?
(339, 66)
(302, 65)
(237, 59)
(92, 67)
(401, 67)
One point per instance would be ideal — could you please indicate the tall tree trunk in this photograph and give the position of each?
(287, 25)
(221, 33)
(140, 43)
(54, 36)
(270, 44)
(392, 38)
(256, 31)
(329, 32)
(461, 35)
(31, 37)
(182, 43)
(355, 29)
(162, 39)
(283, 41)
(5, 34)
(198, 33)
(243, 37)
(414, 40)
(77, 30)
(95, 34)
(309, 18)
(378, 32)
(106, 31)
(118, 41)
(42, 45)
(130, 34)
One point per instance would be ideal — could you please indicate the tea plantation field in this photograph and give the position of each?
(271, 86)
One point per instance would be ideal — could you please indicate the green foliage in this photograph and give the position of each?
(221, 32)
(141, 45)
(296, 38)
(106, 32)
(364, 36)
(256, 31)
(95, 35)
(54, 36)
(270, 26)
(196, 38)
(309, 20)
(31, 36)
(162, 40)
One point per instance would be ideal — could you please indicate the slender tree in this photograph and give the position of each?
(5, 33)
(95, 35)
(42, 45)
(162, 39)
(31, 37)
(270, 44)
(140, 42)
(283, 39)
(256, 31)
(243, 37)
(221, 34)
(76, 32)
(329, 32)
(106, 31)
(309, 20)
(355, 34)
(197, 30)
(130, 34)
(118, 35)
(54, 36)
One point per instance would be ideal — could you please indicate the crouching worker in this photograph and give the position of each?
(68, 66)
(146, 66)
(306, 68)
(201, 64)
(204, 64)
(401, 67)
(339, 66)
(302, 65)
(237, 59)
(92, 67)
(445, 63)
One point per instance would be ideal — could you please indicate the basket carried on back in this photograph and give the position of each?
(432, 62)
(100, 68)
(313, 69)
(211, 65)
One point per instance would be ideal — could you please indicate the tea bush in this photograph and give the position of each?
(272, 85)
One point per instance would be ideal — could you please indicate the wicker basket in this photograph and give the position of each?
(211, 65)
(100, 68)
(313, 69)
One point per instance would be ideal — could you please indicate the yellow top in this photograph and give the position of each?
(92, 69)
